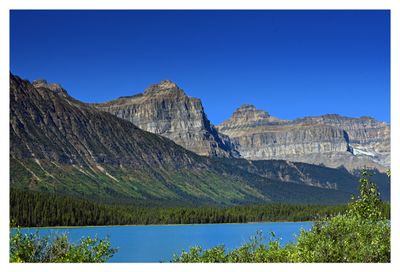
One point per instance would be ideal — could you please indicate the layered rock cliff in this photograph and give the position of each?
(250, 133)
(331, 140)
(166, 110)
(366, 136)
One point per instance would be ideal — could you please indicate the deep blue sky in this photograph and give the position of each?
(290, 63)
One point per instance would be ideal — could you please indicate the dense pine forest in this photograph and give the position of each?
(35, 209)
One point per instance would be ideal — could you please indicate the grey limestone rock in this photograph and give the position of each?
(166, 110)
(331, 139)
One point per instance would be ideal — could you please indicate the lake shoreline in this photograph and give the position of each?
(150, 244)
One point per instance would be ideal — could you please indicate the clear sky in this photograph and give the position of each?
(289, 63)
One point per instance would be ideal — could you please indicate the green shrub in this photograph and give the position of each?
(253, 252)
(32, 248)
(360, 234)
(344, 239)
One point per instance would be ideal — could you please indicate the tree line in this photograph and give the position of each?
(38, 209)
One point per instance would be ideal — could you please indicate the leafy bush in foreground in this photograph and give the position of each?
(252, 252)
(361, 234)
(32, 248)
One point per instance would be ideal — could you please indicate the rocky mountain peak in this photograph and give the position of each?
(246, 107)
(248, 115)
(250, 110)
(164, 85)
(167, 84)
(166, 110)
(42, 83)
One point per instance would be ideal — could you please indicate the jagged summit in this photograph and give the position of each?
(250, 109)
(39, 82)
(164, 85)
(246, 107)
(163, 89)
(248, 115)
(42, 83)
(166, 110)
(167, 84)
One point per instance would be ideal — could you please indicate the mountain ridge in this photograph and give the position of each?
(61, 145)
(330, 139)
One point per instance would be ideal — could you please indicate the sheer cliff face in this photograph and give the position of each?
(332, 140)
(166, 110)
(367, 137)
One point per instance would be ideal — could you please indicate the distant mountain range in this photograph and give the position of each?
(331, 140)
(102, 152)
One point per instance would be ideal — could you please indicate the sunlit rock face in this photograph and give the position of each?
(254, 134)
(165, 109)
(331, 139)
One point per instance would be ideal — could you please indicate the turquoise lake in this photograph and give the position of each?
(159, 243)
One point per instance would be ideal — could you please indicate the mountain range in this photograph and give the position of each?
(159, 148)
(331, 139)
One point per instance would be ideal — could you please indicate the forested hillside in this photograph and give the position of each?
(43, 209)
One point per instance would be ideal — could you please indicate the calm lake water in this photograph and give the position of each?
(160, 243)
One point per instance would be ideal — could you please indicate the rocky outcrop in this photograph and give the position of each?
(331, 140)
(42, 83)
(166, 110)
(367, 137)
